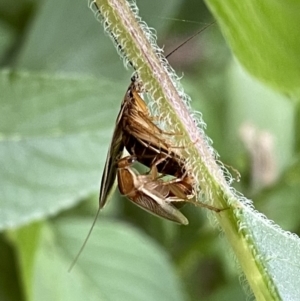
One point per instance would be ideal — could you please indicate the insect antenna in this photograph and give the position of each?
(190, 38)
(85, 241)
(180, 45)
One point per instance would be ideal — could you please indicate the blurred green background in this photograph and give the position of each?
(61, 85)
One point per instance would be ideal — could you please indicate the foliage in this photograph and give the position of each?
(61, 87)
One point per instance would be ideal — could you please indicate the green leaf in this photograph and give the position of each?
(281, 201)
(252, 104)
(118, 263)
(10, 282)
(55, 133)
(6, 39)
(26, 241)
(75, 41)
(264, 36)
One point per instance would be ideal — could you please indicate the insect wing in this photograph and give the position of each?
(144, 139)
(115, 152)
(157, 205)
(110, 171)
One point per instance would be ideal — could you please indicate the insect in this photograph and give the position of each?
(142, 138)
(133, 124)
(133, 130)
(147, 144)
(155, 195)
(148, 192)
(145, 140)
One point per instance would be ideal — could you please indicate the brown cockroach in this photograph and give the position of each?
(147, 192)
(134, 128)
(154, 194)
(142, 138)
(150, 192)
(145, 140)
